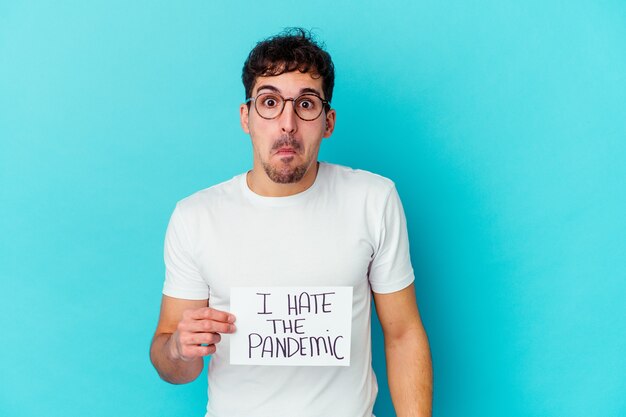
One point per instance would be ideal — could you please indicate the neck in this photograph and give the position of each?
(261, 184)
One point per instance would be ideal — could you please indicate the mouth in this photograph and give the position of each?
(285, 151)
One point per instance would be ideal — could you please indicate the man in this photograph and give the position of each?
(291, 221)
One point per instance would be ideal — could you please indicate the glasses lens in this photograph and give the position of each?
(308, 106)
(269, 105)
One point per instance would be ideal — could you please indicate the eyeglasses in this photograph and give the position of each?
(307, 106)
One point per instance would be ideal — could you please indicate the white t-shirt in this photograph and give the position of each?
(347, 229)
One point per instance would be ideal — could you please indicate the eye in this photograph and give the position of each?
(307, 103)
(269, 101)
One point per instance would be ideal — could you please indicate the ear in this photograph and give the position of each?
(243, 117)
(330, 123)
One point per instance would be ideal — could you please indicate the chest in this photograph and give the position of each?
(283, 248)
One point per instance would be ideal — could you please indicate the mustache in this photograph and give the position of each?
(287, 141)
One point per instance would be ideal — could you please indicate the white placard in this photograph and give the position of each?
(298, 326)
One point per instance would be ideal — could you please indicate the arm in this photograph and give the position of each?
(187, 331)
(409, 366)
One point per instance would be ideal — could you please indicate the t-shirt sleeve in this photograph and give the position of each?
(182, 277)
(391, 269)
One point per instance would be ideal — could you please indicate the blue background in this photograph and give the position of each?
(503, 124)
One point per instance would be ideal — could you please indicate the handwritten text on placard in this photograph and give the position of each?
(306, 326)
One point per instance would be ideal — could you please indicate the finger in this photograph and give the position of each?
(211, 314)
(206, 326)
(203, 338)
(187, 338)
(190, 352)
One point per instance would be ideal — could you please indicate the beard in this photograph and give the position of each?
(285, 173)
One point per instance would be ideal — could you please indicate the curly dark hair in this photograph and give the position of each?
(291, 50)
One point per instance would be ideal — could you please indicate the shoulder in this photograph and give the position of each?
(357, 180)
(218, 194)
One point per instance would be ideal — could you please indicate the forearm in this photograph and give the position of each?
(170, 369)
(410, 374)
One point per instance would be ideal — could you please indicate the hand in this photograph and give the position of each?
(198, 332)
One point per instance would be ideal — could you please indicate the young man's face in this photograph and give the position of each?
(286, 146)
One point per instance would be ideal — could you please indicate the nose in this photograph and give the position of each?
(288, 119)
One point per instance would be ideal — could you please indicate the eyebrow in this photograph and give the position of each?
(277, 90)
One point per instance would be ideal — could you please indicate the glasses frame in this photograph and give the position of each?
(325, 105)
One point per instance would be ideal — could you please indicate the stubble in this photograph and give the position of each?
(283, 172)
